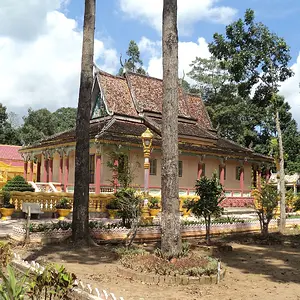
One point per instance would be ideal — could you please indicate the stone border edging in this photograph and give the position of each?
(170, 280)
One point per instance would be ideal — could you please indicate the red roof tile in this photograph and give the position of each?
(198, 111)
(116, 94)
(8, 152)
(147, 93)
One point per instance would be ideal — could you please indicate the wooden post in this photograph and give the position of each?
(27, 235)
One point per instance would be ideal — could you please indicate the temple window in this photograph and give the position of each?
(153, 166)
(92, 168)
(180, 168)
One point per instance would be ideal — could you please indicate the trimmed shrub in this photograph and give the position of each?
(18, 183)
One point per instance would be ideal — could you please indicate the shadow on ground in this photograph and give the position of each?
(69, 253)
(276, 257)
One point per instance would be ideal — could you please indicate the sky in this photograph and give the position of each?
(40, 42)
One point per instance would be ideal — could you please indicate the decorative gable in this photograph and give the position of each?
(99, 109)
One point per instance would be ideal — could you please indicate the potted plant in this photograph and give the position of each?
(154, 207)
(186, 212)
(63, 208)
(7, 208)
(113, 208)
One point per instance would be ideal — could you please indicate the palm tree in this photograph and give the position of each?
(170, 222)
(80, 225)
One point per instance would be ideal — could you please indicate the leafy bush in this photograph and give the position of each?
(296, 204)
(154, 203)
(129, 205)
(64, 203)
(6, 200)
(11, 287)
(265, 202)
(113, 204)
(63, 225)
(101, 225)
(211, 194)
(18, 183)
(54, 281)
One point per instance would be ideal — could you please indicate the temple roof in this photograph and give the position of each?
(127, 105)
(119, 130)
(135, 93)
(116, 94)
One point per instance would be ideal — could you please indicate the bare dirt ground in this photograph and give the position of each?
(254, 271)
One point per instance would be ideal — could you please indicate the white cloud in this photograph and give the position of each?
(187, 52)
(41, 69)
(189, 12)
(290, 90)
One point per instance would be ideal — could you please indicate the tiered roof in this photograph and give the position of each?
(131, 103)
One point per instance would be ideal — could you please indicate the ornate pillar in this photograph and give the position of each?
(50, 167)
(25, 169)
(258, 178)
(98, 171)
(115, 175)
(38, 170)
(200, 166)
(147, 137)
(60, 174)
(31, 170)
(242, 179)
(222, 170)
(254, 176)
(66, 171)
(26, 157)
(45, 169)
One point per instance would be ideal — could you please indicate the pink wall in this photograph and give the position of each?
(190, 169)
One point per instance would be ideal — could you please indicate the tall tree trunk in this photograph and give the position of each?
(281, 175)
(170, 221)
(80, 224)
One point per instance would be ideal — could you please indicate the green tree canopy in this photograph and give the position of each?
(9, 135)
(41, 123)
(133, 61)
(256, 57)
